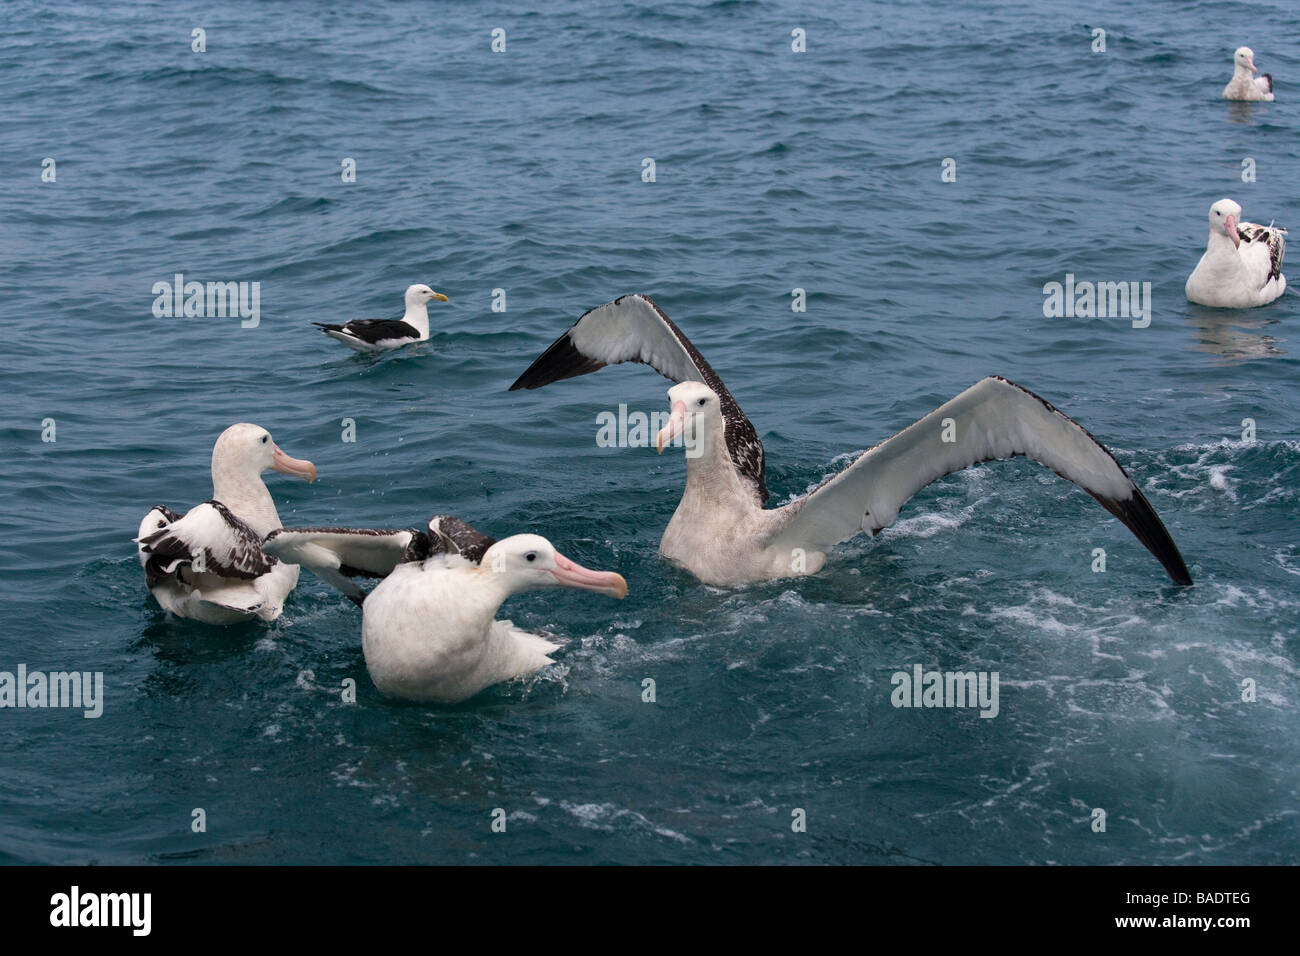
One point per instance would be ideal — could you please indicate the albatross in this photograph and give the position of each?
(376, 335)
(1242, 264)
(428, 630)
(1245, 85)
(208, 564)
(721, 531)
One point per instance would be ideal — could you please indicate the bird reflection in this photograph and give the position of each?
(1233, 336)
(1240, 111)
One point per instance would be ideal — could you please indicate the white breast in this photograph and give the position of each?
(428, 634)
(1228, 277)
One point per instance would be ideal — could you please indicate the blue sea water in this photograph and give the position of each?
(774, 170)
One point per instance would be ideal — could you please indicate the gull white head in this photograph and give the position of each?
(1224, 217)
(1244, 60)
(530, 562)
(419, 294)
(696, 414)
(244, 451)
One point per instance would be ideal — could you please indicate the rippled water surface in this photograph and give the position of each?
(522, 171)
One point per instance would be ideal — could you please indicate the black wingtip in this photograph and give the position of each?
(1140, 518)
(562, 360)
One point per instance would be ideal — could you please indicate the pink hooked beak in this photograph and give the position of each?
(1230, 227)
(292, 466)
(573, 575)
(676, 425)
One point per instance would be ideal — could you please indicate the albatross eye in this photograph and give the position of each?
(701, 402)
(265, 439)
(530, 556)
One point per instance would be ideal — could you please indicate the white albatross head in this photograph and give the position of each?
(696, 414)
(531, 562)
(1224, 217)
(420, 294)
(1244, 59)
(245, 451)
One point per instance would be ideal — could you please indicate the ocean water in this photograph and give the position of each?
(774, 170)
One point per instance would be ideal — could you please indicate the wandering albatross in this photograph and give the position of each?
(721, 531)
(208, 564)
(1245, 85)
(375, 335)
(1242, 264)
(428, 629)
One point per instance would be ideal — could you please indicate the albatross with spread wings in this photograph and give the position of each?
(721, 531)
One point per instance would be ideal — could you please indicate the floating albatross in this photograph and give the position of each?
(1245, 85)
(428, 629)
(1242, 264)
(208, 564)
(721, 531)
(374, 335)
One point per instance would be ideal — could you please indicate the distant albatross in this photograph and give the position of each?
(1245, 85)
(1242, 264)
(721, 531)
(208, 564)
(373, 335)
(428, 629)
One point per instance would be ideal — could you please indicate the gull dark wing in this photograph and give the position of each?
(373, 330)
(634, 329)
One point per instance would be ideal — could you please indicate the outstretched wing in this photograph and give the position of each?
(633, 329)
(992, 419)
(208, 539)
(336, 555)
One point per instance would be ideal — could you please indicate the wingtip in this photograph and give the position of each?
(1139, 517)
(560, 361)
